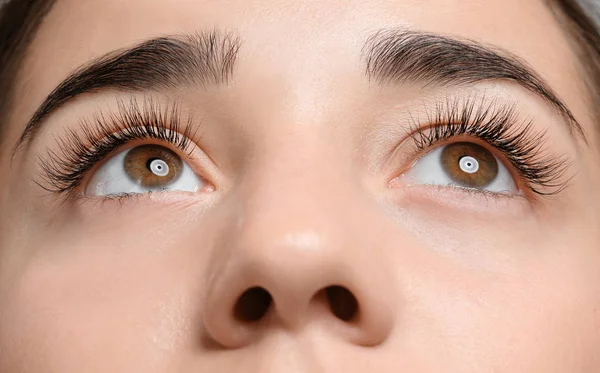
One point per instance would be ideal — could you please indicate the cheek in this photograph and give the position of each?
(119, 301)
(547, 319)
(542, 314)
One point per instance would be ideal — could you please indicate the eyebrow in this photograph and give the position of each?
(392, 56)
(166, 62)
(401, 56)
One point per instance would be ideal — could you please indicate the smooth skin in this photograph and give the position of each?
(297, 148)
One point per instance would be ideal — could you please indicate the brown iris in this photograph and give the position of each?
(469, 165)
(153, 166)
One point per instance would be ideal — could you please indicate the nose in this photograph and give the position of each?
(286, 263)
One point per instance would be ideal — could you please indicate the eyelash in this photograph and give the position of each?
(65, 170)
(493, 123)
(498, 126)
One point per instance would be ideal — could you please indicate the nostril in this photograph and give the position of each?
(253, 305)
(342, 302)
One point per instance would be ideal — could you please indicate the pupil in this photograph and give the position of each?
(158, 167)
(468, 164)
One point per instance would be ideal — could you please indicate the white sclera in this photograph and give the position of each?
(430, 170)
(112, 179)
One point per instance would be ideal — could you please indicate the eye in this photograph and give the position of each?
(143, 169)
(463, 164)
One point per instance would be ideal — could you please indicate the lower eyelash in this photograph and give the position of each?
(497, 125)
(65, 169)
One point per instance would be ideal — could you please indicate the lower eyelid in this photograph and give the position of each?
(154, 202)
(473, 205)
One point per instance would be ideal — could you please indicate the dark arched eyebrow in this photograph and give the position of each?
(161, 63)
(399, 56)
(391, 56)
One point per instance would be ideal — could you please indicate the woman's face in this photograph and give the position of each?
(306, 186)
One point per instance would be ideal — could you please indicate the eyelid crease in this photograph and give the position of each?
(497, 125)
(65, 169)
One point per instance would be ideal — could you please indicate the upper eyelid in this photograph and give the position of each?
(398, 55)
(204, 57)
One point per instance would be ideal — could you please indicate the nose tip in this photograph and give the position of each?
(290, 286)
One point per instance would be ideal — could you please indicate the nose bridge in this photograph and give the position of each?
(297, 198)
(298, 221)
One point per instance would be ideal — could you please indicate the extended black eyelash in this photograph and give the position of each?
(79, 151)
(499, 126)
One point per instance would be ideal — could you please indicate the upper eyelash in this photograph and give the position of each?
(65, 169)
(495, 124)
(499, 126)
